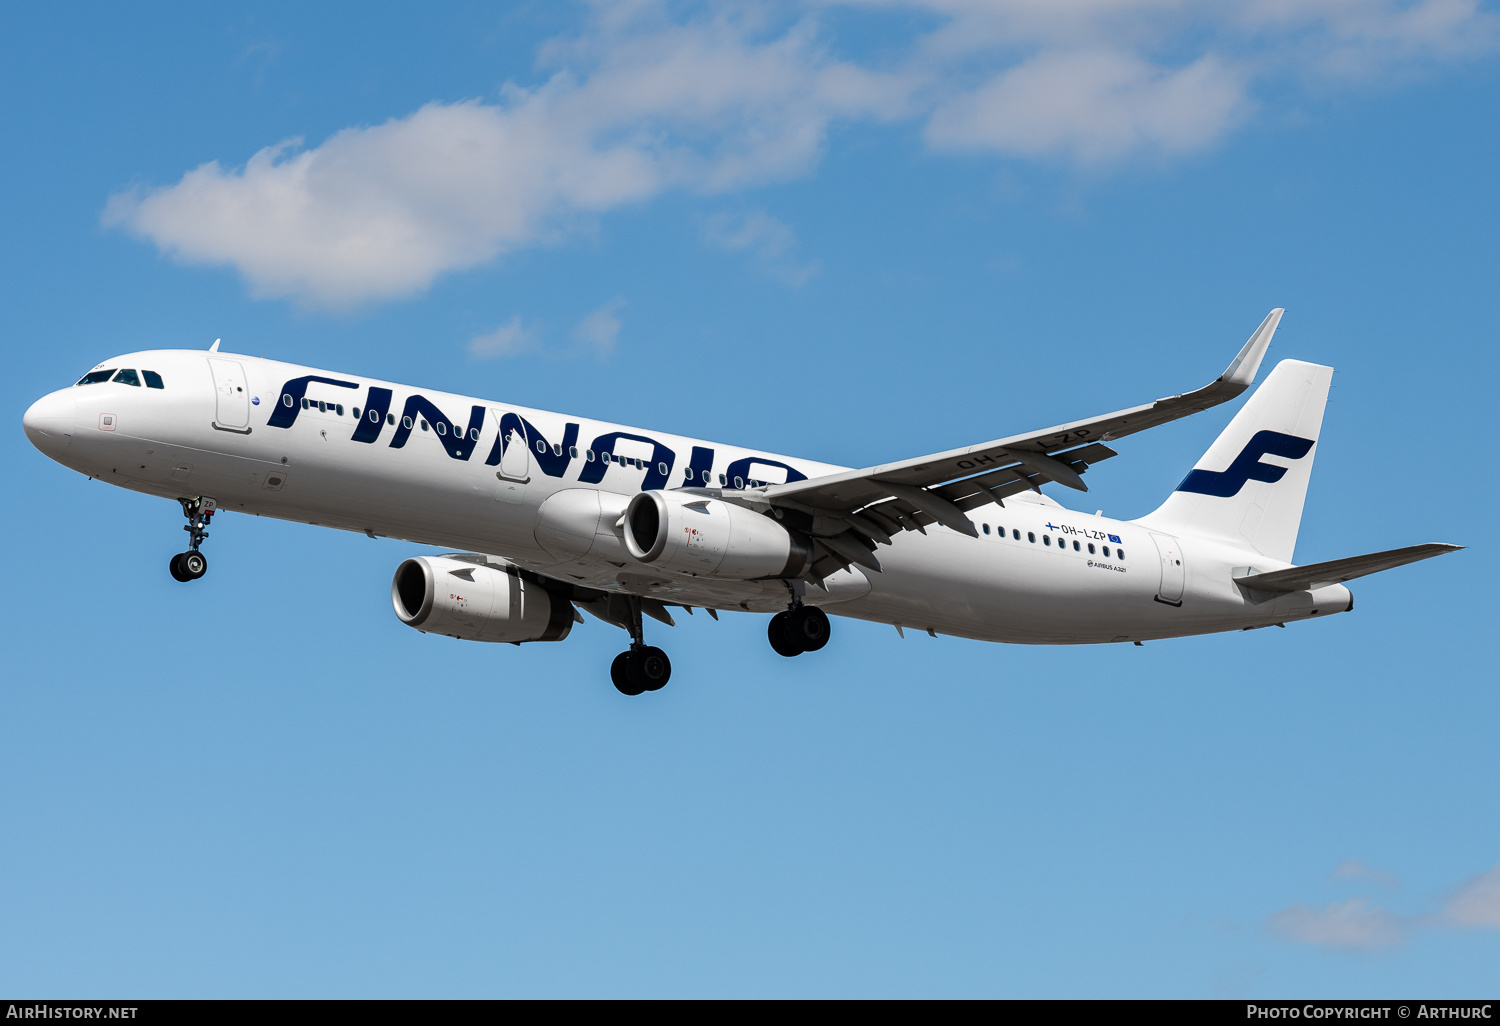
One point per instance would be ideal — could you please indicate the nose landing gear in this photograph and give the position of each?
(192, 564)
(643, 667)
(799, 629)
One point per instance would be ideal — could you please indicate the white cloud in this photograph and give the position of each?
(644, 100)
(1094, 105)
(601, 328)
(1477, 902)
(380, 211)
(1354, 869)
(510, 339)
(1343, 924)
(771, 243)
(1361, 923)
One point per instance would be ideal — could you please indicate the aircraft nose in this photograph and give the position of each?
(49, 421)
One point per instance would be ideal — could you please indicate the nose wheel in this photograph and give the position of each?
(192, 564)
(799, 629)
(188, 566)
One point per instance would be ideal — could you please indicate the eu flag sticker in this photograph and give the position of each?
(1115, 538)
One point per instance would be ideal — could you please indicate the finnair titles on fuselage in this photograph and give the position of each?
(553, 513)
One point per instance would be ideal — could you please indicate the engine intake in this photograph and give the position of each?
(711, 538)
(476, 602)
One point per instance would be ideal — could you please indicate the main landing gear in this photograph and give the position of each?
(192, 564)
(643, 667)
(799, 629)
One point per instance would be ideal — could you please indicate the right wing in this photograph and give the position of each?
(852, 511)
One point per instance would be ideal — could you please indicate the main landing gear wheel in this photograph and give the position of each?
(642, 669)
(650, 667)
(619, 673)
(803, 629)
(188, 566)
(781, 640)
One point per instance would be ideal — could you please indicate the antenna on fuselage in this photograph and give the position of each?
(215, 347)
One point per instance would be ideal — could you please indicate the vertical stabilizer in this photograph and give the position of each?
(1250, 486)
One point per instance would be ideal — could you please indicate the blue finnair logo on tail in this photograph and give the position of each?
(1247, 465)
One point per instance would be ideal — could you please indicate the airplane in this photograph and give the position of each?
(551, 514)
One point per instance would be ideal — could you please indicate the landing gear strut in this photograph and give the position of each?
(799, 629)
(192, 564)
(643, 667)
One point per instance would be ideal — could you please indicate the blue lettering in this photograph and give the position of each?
(593, 473)
(460, 445)
(741, 469)
(372, 417)
(284, 412)
(554, 461)
(697, 473)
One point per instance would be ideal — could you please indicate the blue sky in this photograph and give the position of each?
(856, 232)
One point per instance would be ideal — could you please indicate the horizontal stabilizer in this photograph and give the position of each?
(1337, 571)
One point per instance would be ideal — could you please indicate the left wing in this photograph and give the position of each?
(1337, 571)
(850, 512)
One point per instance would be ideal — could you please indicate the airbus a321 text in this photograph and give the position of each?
(553, 513)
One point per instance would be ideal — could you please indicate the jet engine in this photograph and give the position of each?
(711, 538)
(477, 602)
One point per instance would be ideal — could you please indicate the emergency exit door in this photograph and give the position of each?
(1170, 553)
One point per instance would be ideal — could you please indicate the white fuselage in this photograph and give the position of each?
(1037, 573)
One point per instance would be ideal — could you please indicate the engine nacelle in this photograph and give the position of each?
(476, 602)
(711, 538)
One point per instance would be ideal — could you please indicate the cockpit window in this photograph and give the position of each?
(128, 377)
(153, 379)
(94, 377)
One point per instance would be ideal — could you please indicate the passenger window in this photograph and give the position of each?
(127, 377)
(474, 437)
(1031, 537)
(390, 418)
(588, 455)
(1120, 554)
(1016, 534)
(1106, 552)
(340, 409)
(663, 469)
(739, 482)
(572, 449)
(94, 377)
(441, 428)
(1091, 548)
(707, 476)
(406, 423)
(986, 528)
(424, 425)
(1075, 546)
(1046, 539)
(723, 480)
(153, 379)
(355, 412)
